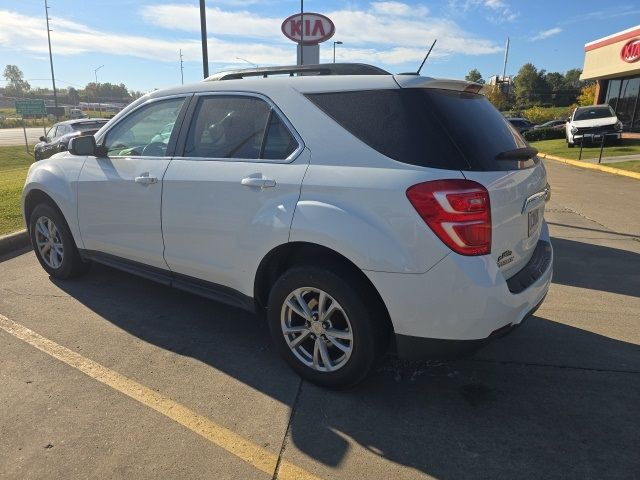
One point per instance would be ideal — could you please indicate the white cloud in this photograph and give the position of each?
(386, 32)
(21, 32)
(497, 11)
(547, 33)
(398, 9)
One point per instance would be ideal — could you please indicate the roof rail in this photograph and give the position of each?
(291, 70)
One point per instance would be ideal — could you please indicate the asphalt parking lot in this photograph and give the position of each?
(113, 376)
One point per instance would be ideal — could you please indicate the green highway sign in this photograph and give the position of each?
(30, 107)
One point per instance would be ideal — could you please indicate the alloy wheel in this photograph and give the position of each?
(316, 329)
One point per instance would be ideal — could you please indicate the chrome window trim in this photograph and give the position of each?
(283, 118)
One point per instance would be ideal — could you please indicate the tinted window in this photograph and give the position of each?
(278, 143)
(589, 113)
(145, 132)
(88, 126)
(228, 127)
(427, 127)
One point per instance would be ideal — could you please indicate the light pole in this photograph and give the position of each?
(95, 72)
(245, 60)
(334, 49)
(203, 35)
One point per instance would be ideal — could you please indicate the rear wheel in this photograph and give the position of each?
(569, 144)
(325, 326)
(53, 243)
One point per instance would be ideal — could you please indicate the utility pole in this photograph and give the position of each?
(181, 68)
(203, 33)
(53, 77)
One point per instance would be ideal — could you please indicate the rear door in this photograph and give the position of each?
(229, 196)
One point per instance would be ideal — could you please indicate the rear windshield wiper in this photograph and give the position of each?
(524, 153)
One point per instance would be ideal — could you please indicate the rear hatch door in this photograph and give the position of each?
(490, 151)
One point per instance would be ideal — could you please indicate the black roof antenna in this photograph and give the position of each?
(427, 56)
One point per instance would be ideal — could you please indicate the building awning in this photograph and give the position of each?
(617, 55)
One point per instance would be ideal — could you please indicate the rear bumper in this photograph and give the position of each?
(420, 348)
(462, 302)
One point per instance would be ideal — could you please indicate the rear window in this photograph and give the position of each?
(88, 126)
(427, 127)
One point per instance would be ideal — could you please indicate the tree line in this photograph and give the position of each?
(536, 87)
(18, 87)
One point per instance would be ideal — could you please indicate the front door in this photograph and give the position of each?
(119, 196)
(229, 197)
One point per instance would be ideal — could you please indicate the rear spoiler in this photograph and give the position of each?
(416, 81)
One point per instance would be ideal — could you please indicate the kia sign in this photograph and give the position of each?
(317, 28)
(631, 51)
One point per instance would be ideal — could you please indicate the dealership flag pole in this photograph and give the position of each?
(504, 67)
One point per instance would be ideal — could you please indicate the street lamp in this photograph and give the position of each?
(95, 72)
(334, 49)
(245, 60)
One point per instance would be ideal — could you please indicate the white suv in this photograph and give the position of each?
(593, 124)
(359, 209)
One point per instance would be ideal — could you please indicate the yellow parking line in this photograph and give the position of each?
(218, 435)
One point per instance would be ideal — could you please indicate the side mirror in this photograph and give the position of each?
(85, 145)
(43, 138)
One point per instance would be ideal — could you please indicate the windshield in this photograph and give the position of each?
(590, 113)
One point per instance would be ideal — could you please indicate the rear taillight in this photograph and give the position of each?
(458, 212)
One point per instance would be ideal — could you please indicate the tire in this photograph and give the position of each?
(61, 259)
(570, 145)
(356, 314)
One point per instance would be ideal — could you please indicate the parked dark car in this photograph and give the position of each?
(58, 136)
(521, 124)
(555, 124)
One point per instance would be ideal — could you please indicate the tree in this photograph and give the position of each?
(530, 86)
(572, 78)
(474, 76)
(587, 95)
(496, 96)
(17, 86)
(74, 96)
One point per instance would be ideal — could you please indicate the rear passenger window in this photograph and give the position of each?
(279, 143)
(427, 127)
(237, 127)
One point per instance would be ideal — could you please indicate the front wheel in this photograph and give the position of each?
(326, 326)
(53, 243)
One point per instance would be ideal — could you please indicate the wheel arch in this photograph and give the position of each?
(287, 255)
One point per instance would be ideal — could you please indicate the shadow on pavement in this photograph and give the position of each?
(479, 418)
(596, 267)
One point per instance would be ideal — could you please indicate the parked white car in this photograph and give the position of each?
(591, 124)
(359, 209)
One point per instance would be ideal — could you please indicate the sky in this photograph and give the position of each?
(138, 42)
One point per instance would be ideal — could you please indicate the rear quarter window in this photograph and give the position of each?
(427, 127)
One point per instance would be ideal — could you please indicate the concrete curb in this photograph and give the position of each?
(591, 166)
(14, 241)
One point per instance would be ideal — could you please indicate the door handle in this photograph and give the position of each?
(146, 179)
(258, 182)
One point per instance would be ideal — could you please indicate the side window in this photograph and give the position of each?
(145, 132)
(51, 134)
(278, 143)
(63, 130)
(227, 127)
